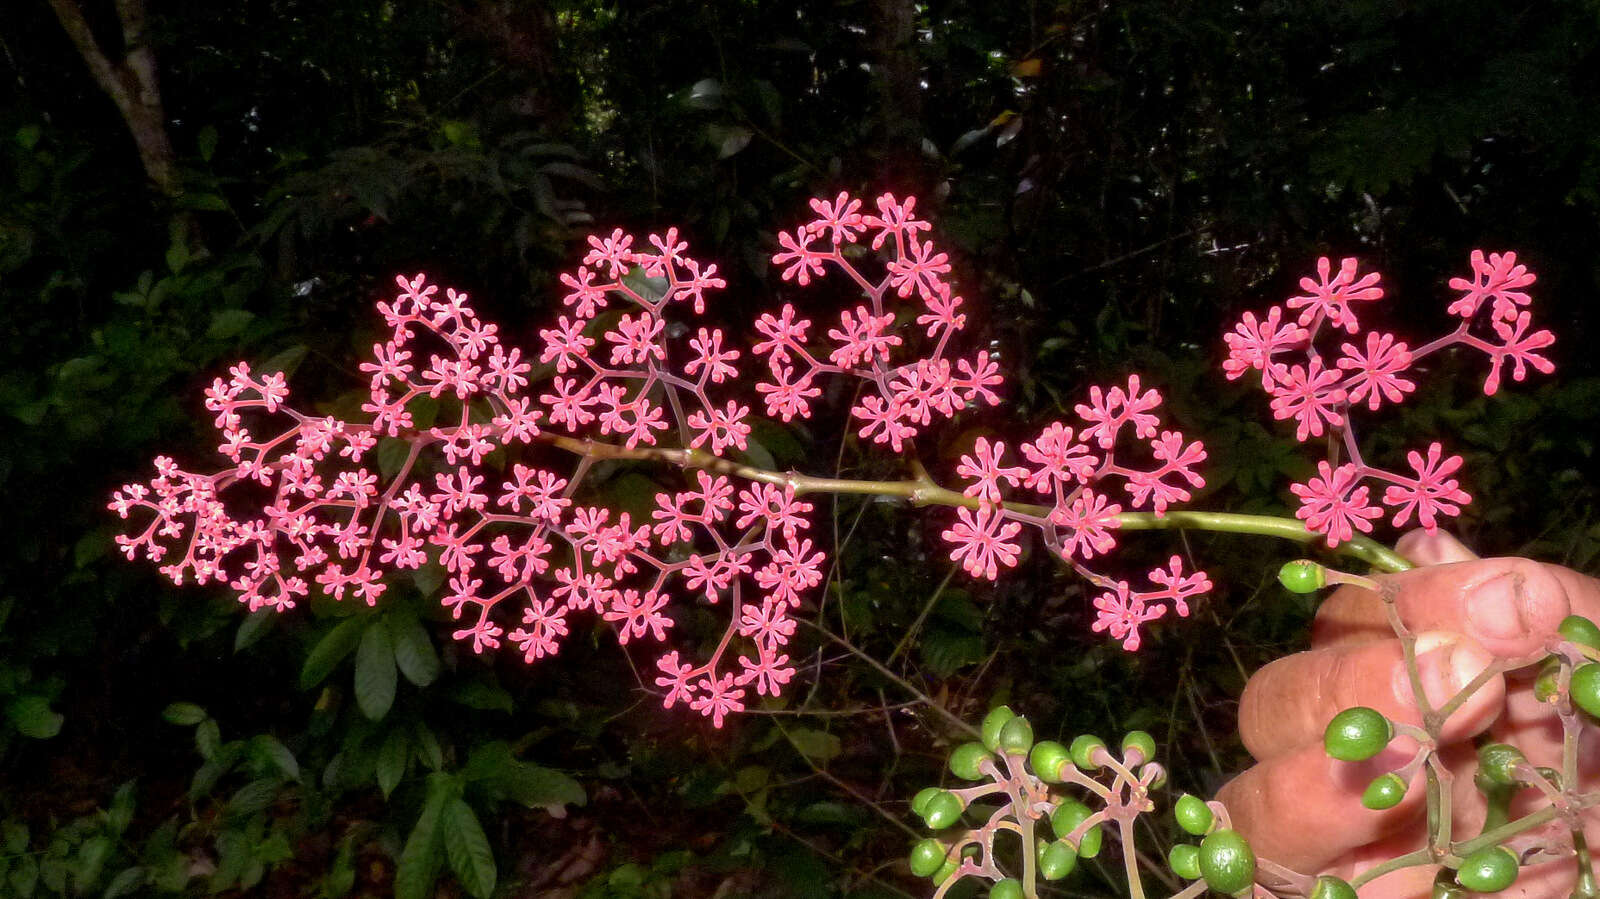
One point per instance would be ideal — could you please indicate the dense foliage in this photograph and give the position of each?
(1115, 182)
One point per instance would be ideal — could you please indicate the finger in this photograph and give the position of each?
(1510, 606)
(1437, 548)
(1303, 809)
(1288, 703)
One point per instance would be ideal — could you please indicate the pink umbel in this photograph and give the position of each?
(1376, 369)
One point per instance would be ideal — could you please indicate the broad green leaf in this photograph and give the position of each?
(14, 836)
(468, 849)
(251, 798)
(207, 142)
(728, 139)
(32, 717)
(183, 714)
(126, 883)
(253, 628)
(92, 855)
(392, 453)
(481, 695)
(427, 745)
(375, 671)
(391, 764)
(413, 650)
(816, 745)
(121, 811)
(278, 754)
(705, 94)
(229, 323)
(208, 738)
(423, 854)
(330, 651)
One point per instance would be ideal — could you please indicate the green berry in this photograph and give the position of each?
(1548, 683)
(1047, 759)
(1488, 870)
(1385, 791)
(1083, 751)
(1330, 887)
(1226, 862)
(1580, 630)
(945, 870)
(1193, 815)
(1498, 761)
(1010, 888)
(1357, 734)
(927, 857)
(1141, 741)
(919, 802)
(1017, 736)
(966, 761)
(993, 722)
(942, 810)
(1586, 688)
(1066, 818)
(1056, 860)
(1303, 576)
(1184, 859)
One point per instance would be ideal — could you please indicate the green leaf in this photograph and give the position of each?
(423, 854)
(208, 738)
(121, 811)
(728, 139)
(14, 836)
(705, 94)
(251, 798)
(126, 883)
(330, 651)
(229, 323)
(278, 754)
(392, 453)
(31, 716)
(375, 671)
(816, 745)
(207, 141)
(91, 861)
(413, 650)
(481, 695)
(468, 849)
(253, 628)
(203, 202)
(428, 749)
(391, 764)
(183, 714)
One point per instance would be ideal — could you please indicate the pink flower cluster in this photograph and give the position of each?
(344, 504)
(1374, 368)
(1076, 472)
(901, 398)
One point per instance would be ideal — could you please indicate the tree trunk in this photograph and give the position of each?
(131, 84)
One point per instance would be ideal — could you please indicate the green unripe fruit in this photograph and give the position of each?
(1302, 576)
(1017, 736)
(1047, 759)
(945, 870)
(1548, 684)
(1056, 860)
(1141, 741)
(942, 810)
(1330, 887)
(1184, 859)
(1193, 815)
(967, 759)
(1497, 761)
(927, 857)
(1066, 818)
(1226, 862)
(1010, 888)
(1083, 748)
(993, 722)
(1580, 630)
(919, 802)
(1357, 734)
(1488, 870)
(1586, 688)
(1385, 791)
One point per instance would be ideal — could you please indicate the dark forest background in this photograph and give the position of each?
(185, 184)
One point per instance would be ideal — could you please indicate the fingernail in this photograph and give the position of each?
(1495, 608)
(1445, 664)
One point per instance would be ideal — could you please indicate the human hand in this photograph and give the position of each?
(1302, 809)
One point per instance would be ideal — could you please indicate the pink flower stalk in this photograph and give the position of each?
(1375, 371)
